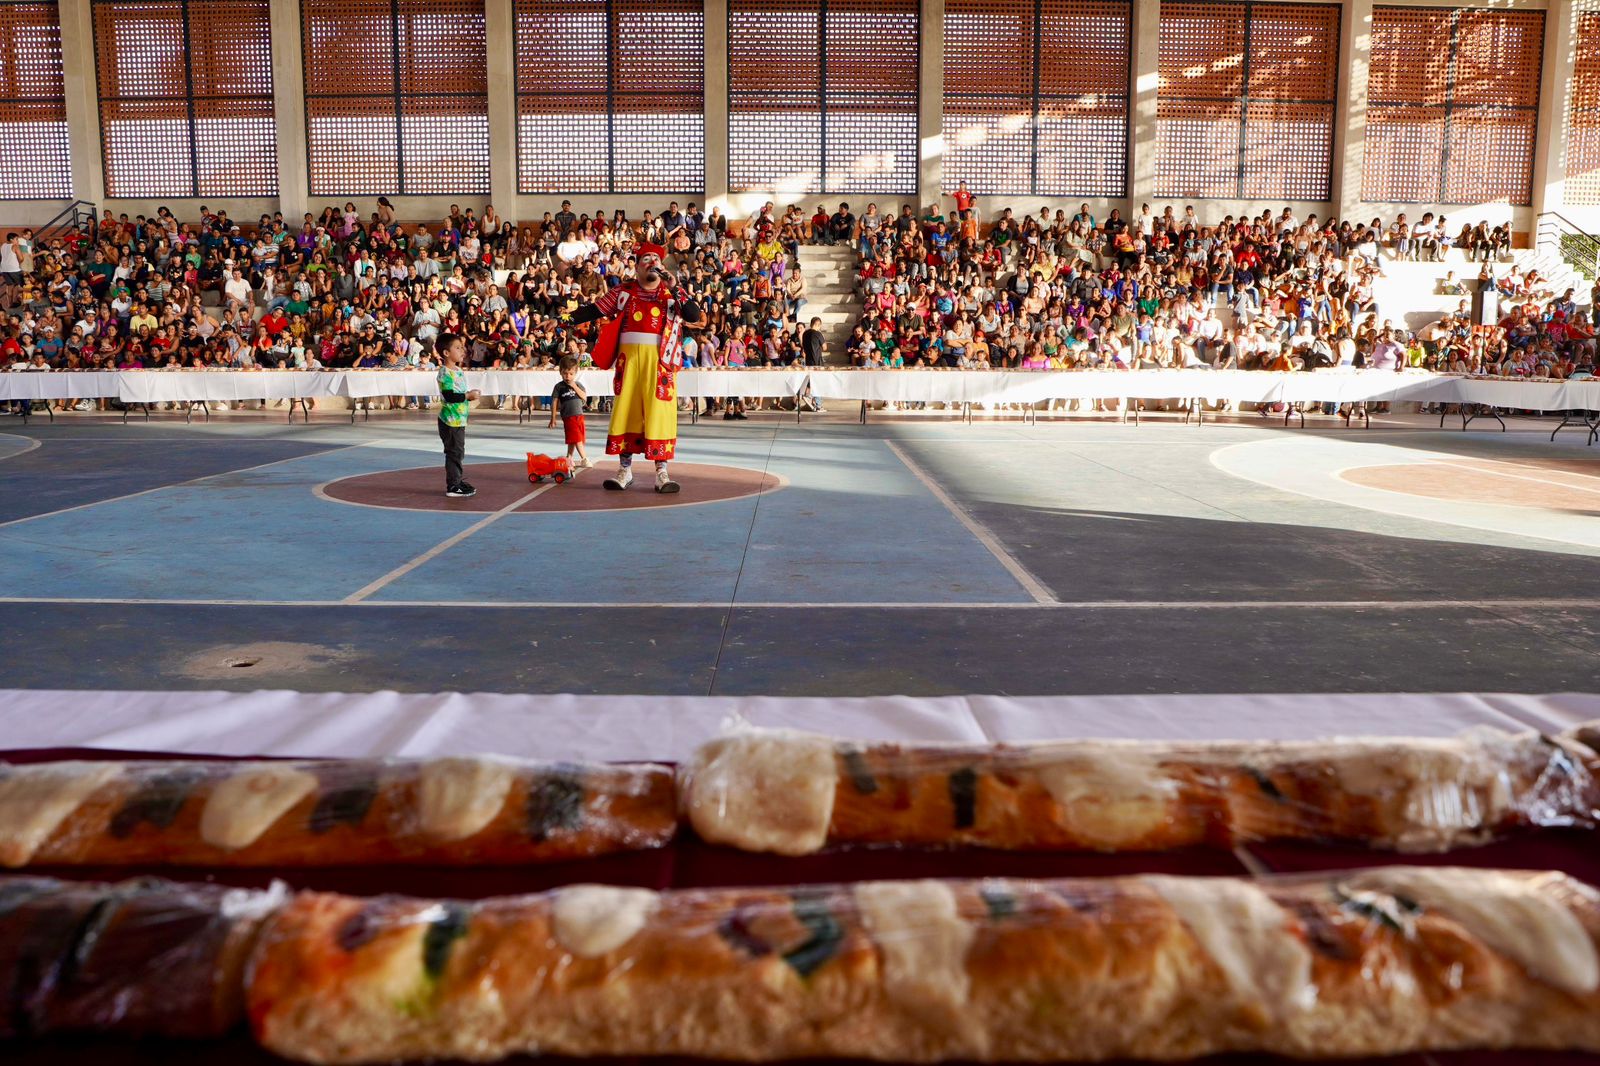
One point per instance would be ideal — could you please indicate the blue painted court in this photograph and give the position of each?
(913, 556)
(847, 527)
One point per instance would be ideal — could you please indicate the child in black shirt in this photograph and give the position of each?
(566, 399)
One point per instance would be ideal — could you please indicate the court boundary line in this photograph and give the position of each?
(34, 444)
(1030, 584)
(360, 595)
(181, 484)
(985, 605)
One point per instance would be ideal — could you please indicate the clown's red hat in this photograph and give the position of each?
(650, 249)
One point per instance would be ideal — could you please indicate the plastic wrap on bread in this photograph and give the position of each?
(795, 793)
(1370, 963)
(140, 958)
(480, 811)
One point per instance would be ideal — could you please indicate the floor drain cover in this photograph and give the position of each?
(241, 663)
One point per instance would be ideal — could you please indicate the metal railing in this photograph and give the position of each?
(1567, 240)
(79, 215)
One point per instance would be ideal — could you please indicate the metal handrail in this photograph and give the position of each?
(1576, 248)
(70, 217)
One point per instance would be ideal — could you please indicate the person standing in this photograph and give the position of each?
(566, 402)
(644, 341)
(456, 400)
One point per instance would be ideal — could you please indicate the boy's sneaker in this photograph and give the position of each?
(620, 480)
(460, 491)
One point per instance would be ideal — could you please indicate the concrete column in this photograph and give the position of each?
(716, 108)
(930, 105)
(83, 101)
(498, 27)
(1555, 105)
(1146, 76)
(289, 107)
(1350, 113)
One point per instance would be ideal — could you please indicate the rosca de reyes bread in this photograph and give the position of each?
(336, 812)
(141, 958)
(794, 793)
(1372, 963)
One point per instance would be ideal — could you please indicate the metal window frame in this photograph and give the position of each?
(610, 95)
(62, 100)
(1037, 98)
(1449, 107)
(1244, 100)
(188, 101)
(397, 96)
(822, 111)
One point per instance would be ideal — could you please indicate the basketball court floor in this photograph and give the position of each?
(829, 558)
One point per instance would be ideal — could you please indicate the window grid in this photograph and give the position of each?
(1245, 100)
(823, 96)
(1582, 185)
(397, 97)
(185, 94)
(35, 160)
(1036, 96)
(610, 95)
(1453, 123)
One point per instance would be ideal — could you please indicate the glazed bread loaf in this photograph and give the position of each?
(1374, 963)
(143, 958)
(454, 811)
(794, 793)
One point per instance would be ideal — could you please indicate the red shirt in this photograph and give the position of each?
(963, 200)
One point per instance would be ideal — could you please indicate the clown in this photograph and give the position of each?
(644, 341)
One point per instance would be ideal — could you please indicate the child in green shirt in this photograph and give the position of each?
(456, 402)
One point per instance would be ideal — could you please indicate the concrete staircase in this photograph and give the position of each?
(830, 294)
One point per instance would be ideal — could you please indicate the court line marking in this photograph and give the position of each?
(1344, 493)
(443, 546)
(181, 484)
(1057, 605)
(1594, 491)
(1033, 586)
(320, 491)
(33, 443)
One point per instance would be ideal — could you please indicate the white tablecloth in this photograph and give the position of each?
(934, 386)
(670, 727)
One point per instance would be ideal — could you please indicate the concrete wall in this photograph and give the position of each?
(295, 198)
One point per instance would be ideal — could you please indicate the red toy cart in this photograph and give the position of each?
(543, 466)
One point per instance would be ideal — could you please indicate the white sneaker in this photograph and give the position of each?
(581, 463)
(620, 480)
(84, 405)
(664, 482)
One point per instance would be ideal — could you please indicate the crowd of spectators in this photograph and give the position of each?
(1055, 290)
(343, 291)
(1044, 291)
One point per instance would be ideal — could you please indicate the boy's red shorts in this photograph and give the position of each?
(575, 429)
